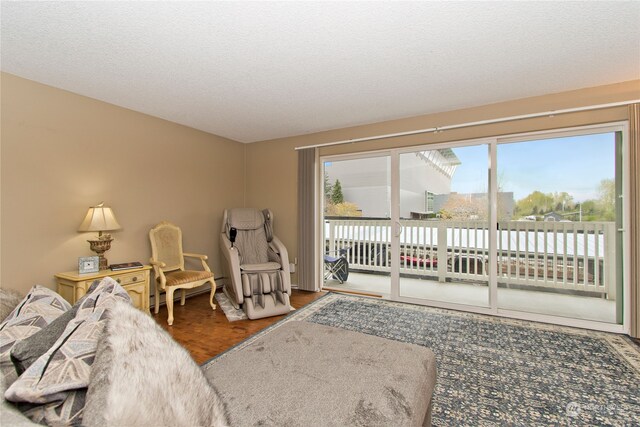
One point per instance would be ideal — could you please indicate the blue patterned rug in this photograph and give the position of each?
(496, 371)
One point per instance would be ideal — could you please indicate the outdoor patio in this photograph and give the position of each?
(564, 269)
(550, 303)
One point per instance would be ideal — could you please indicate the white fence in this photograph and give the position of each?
(559, 255)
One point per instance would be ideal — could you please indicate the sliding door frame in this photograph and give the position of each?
(492, 143)
(623, 127)
(492, 196)
(320, 241)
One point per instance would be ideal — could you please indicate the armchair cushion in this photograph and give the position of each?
(175, 278)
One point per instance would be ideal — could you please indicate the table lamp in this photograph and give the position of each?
(100, 218)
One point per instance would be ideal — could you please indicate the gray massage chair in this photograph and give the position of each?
(255, 263)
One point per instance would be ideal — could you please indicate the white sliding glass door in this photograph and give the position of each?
(357, 225)
(444, 213)
(560, 250)
(529, 226)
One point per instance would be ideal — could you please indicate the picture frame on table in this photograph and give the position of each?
(88, 264)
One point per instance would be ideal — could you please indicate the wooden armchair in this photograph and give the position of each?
(167, 260)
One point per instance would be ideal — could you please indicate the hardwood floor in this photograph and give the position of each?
(207, 333)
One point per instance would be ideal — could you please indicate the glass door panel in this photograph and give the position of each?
(444, 207)
(557, 251)
(357, 225)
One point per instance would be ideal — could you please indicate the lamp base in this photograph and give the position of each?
(100, 246)
(104, 264)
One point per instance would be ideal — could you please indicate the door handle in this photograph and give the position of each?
(399, 229)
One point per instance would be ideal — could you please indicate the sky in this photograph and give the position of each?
(574, 164)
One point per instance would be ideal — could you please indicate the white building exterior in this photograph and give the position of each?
(367, 182)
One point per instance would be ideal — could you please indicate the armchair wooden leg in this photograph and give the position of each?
(213, 293)
(170, 305)
(157, 301)
(183, 296)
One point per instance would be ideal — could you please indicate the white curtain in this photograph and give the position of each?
(307, 275)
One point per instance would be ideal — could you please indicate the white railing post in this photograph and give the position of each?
(332, 237)
(550, 260)
(442, 251)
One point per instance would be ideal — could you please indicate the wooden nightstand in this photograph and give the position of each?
(72, 286)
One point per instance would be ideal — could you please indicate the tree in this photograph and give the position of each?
(335, 204)
(535, 203)
(606, 202)
(589, 211)
(563, 201)
(601, 209)
(461, 207)
(327, 186)
(336, 193)
(343, 209)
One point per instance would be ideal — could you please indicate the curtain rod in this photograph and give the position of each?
(470, 124)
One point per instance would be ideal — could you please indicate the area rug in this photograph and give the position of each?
(230, 312)
(497, 371)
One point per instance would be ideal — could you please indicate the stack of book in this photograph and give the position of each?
(125, 266)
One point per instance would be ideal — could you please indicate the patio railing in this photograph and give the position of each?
(578, 256)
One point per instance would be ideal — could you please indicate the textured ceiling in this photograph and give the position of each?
(256, 71)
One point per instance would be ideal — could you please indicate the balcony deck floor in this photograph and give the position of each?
(574, 306)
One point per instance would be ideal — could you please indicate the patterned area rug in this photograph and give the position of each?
(498, 371)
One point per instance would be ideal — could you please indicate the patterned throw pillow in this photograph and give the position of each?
(25, 352)
(39, 308)
(52, 390)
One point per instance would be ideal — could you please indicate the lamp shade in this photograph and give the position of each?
(99, 218)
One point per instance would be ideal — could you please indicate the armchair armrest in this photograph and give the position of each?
(192, 255)
(202, 258)
(157, 270)
(158, 264)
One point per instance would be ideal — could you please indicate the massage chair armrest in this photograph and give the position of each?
(231, 259)
(278, 247)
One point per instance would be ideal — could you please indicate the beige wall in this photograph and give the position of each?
(273, 183)
(61, 153)
(272, 165)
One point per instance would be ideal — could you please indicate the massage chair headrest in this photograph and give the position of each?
(249, 219)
